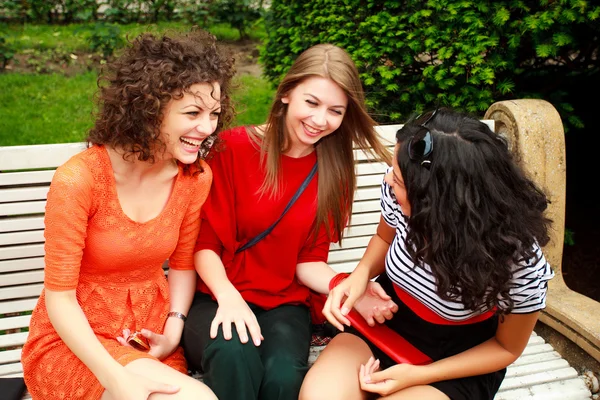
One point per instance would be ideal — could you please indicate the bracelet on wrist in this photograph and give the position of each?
(177, 315)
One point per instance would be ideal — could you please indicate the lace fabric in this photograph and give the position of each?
(113, 263)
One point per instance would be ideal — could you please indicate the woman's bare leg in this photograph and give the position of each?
(417, 392)
(190, 388)
(335, 373)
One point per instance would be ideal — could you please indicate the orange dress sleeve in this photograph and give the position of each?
(68, 208)
(183, 255)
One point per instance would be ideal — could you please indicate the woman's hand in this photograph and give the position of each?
(341, 298)
(375, 305)
(233, 309)
(391, 380)
(161, 346)
(131, 386)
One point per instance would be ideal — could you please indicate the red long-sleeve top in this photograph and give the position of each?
(235, 212)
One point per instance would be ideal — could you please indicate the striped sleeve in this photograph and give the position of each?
(390, 209)
(530, 283)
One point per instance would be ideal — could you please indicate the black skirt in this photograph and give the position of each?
(441, 341)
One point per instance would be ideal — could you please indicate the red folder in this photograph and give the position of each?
(384, 337)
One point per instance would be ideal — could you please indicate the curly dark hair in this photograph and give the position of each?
(136, 87)
(474, 212)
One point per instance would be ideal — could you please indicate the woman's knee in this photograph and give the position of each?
(335, 373)
(284, 372)
(195, 390)
(189, 388)
(230, 354)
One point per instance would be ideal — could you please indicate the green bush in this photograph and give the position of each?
(7, 52)
(413, 55)
(104, 38)
(240, 14)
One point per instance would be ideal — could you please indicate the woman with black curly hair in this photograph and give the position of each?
(458, 248)
(108, 324)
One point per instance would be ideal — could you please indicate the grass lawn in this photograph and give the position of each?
(39, 109)
(55, 108)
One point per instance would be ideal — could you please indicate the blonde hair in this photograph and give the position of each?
(337, 177)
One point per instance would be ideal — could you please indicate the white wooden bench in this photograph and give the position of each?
(25, 175)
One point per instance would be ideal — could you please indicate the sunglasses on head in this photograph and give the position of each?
(420, 146)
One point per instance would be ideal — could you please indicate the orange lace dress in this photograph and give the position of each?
(113, 263)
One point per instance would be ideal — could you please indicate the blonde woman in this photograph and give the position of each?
(249, 327)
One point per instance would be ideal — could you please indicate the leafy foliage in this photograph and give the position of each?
(105, 38)
(240, 14)
(466, 54)
(6, 53)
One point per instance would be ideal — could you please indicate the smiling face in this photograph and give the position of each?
(316, 108)
(396, 181)
(191, 119)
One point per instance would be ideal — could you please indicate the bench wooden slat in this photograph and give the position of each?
(350, 243)
(23, 208)
(37, 156)
(19, 292)
(20, 305)
(23, 251)
(21, 278)
(535, 358)
(16, 224)
(13, 339)
(24, 264)
(366, 206)
(20, 321)
(10, 356)
(346, 266)
(537, 349)
(26, 178)
(371, 168)
(538, 378)
(353, 231)
(369, 180)
(11, 370)
(13, 238)
(535, 340)
(570, 389)
(368, 194)
(544, 366)
(345, 255)
(365, 218)
(24, 194)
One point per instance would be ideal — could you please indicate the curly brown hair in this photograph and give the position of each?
(136, 87)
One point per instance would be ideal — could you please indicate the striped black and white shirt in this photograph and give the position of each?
(529, 281)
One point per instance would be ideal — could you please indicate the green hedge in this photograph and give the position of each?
(415, 54)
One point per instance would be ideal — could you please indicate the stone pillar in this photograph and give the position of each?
(536, 137)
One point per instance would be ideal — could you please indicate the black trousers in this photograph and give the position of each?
(237, 371)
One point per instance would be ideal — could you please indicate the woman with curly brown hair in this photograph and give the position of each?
(108, 323)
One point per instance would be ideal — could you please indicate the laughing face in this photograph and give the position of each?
(316, 108)
(190, 120)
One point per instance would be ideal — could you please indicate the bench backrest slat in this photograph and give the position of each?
(16, 224)
(13, 158)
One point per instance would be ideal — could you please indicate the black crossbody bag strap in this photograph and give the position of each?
(261, 236)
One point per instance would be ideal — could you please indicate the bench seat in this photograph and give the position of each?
(25, 175)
